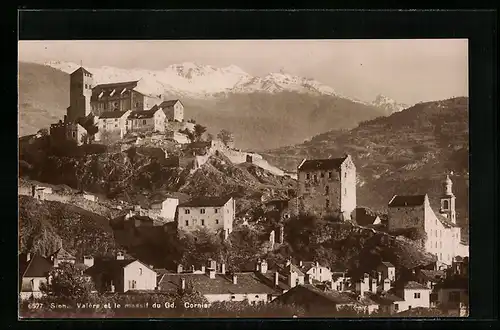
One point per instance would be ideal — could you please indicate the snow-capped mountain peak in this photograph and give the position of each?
(190, 79)
(388, 104)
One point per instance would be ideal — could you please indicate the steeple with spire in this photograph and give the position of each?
(448, 200)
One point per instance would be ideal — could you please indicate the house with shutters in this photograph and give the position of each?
(213, 213)
(173, 109)
(152, 120)
(443, 236)
(121, 274)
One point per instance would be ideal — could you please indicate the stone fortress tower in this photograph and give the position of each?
(81, 83)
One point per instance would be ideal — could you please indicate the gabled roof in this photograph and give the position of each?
(221, 284)
(306, 266)
(143, 114)
(206, 202)
(62, 254)
(81, 69)
(291, 268)
(331, 295)
(412, 285)
(433, 275)
(384, 298)
(169, 103)
(110, 266)
(107, 89)
(112, 114)
(408, 200)
(321, 164)
(37, 266)
(387, 264)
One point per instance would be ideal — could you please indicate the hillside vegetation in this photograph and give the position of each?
(45, 226)
(409, 152)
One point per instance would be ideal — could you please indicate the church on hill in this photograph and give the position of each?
(443, 237)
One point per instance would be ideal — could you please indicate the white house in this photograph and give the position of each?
(34, 270)
(213, 213)
(167, 208)
(173, 109)
(113, 122)
(316, 271)
(122, 275)
(152, 120)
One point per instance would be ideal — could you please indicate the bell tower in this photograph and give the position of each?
(448, 201)
(81, 83)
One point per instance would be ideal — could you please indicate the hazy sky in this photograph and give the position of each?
(408, 71)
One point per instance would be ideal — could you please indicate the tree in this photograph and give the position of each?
(66, 283)
(225, 136)
(188, 133)
(199, 130)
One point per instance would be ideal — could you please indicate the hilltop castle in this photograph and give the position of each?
(114, 108)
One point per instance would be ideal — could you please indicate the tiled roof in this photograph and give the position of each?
(387, 264)
(366, 300)
(37, 266)
(446, 223)
(107, 89)
(108, 266)
(384, 298)
(269, 279)
(321, 164)
(290, 268)
(364, 217)
(206, 202)
(62, 254)
(169, 103)
(80, 69)
(410, 200)
(142, 114)
(412, 285)
(331, 295)
(221, 284)
(112, 114)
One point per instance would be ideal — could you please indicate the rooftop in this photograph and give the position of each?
(206, 202)
(222, 284)
(37, 266)
(62, 254)
(412, 285)
(80, 69)
(409, 200)
(445, 221)
(143, 114)
(169, 103)
(321, 164)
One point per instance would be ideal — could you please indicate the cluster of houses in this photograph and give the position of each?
(115, 109)
(315, 287)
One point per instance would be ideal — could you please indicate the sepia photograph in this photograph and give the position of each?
(292, 178)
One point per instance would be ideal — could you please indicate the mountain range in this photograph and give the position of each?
(262, 112)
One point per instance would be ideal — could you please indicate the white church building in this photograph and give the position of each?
(443, 234)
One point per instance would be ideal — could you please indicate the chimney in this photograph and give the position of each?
(183, 284)
(289, 262)
(379, 278)
(300, 263)
(179, 269)
(211, 273)
(263, 267)
(360, 287)
(120, 256)
(257, 267)
(276, 278)
(88, 261)
(213, 264)
(387, 285)
(366, 280)
(28, 256)
(235, 279)
(223, 268)
(192, 268)
(112, 287)
(374, 285)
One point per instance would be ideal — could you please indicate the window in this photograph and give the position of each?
(202, 222)
(345, 191)
(315, 178)
(416, 295)
(396, 307)
(187, 223)
(322, 174)
(329, 175)
(446, 204)
(202, 211)
(116, 125)
(233, 297)
(257, 296)
(85, 85)
(308, 176)
(216, 221)
(345, 175)
(140, 271)
(74, 134)
(186, 211)
(144, 122)
(132, 284)
(320, 270)
(216, 210)
(327, 203)
(327, 190)
(409, 307)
